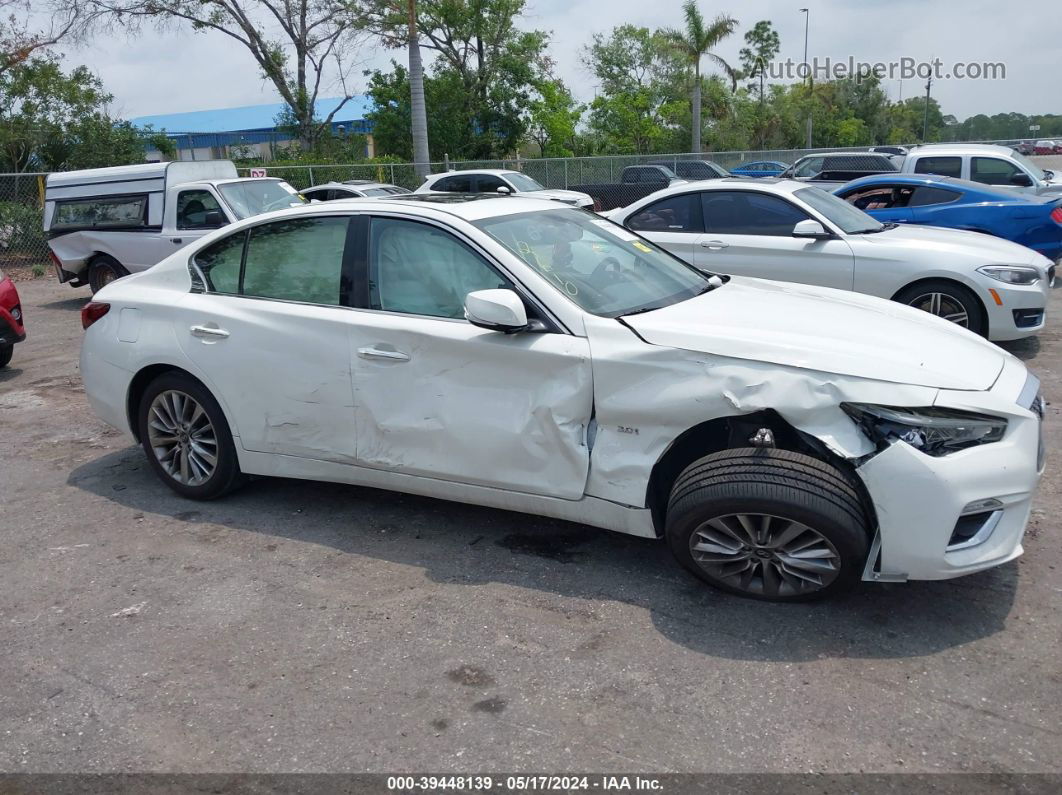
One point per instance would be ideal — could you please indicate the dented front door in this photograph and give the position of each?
(441, 398)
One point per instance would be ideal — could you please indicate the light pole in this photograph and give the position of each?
(807, 22)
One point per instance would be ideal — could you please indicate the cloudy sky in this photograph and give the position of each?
(177, 70)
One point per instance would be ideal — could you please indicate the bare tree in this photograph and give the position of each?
(19, 39)
(306, 40)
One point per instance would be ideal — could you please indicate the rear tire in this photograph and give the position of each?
(5, 354)
(946, 300)
(103, 270)
(769, 524)
(186, 438)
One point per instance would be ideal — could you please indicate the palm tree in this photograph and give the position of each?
(696, 42)
(421, 158)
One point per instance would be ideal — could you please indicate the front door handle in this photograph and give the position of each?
(209, 332)
(176, 239)
(715, 245)
(383, 353)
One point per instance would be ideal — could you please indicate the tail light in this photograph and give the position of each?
(93, 311)
(1056, 214)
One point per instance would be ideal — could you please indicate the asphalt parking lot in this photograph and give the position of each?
(298, 626)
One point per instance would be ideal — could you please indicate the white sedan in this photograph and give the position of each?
(787, 441)
(786, 230)
(498, 180)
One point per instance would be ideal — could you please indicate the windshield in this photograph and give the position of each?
(838, 212)
(255, 196)
(1029, 166)
(599, 265)
(523, 183)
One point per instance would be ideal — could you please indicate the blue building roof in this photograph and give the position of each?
(256, 117)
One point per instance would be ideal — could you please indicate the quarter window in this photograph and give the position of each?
(993, 171)
(220, 264)
(674, 214)
(747, 213)
(418, 269)
(924, 197)
(942, 166)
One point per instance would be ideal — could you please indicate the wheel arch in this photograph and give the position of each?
(145, 375)
(732, 432)
(982, 308)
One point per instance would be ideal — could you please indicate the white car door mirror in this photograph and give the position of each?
(497, 310)
(810, 228)
(503, 189)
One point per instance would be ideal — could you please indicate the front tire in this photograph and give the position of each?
(186, 438)
(103, 270)
(769, 524)
(946, 300)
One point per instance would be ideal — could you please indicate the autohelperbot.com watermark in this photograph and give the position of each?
(828, 68)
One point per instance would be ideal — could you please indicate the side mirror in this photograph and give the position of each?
(1021, 181)
(503, 189)
(811, 229)
(215, 219)
(497, 310)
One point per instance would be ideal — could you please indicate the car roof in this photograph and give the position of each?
(760, 162)
(494, 171)
(467, 206)
(961, 149)
(998, 193)
(356, 184)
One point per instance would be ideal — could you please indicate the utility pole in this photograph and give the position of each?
(807, 22)
(925, 119)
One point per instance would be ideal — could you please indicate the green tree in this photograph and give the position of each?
(553, 116)
(20, 40)
(761, 46)
(694, 43)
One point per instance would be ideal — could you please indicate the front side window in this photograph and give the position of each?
(198, 209)
(600, 266)
(488, 183)
(256, 196)
(941, 166)
(674, 214)
(524, 183)
(808, 168)
(104, 211)
(298, 259)
(747, 213)
(993, 171)
(418, 269)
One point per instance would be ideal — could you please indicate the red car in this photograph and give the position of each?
(12, 329)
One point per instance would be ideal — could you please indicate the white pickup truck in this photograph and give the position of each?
(105, 223)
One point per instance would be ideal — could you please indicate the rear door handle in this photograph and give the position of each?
(383, 353)
(714, 244)
(176, 239)
(209, 332)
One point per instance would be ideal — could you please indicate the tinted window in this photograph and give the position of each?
(421, 270)
(923, 197)
(488, 183)
(321, 195)
(738, 213)
(880, 197)
(298, 259)
(461, 184)
(220, 264)
(944, 166)
(992, 171)
(193, 207)
(673, 214)
(107, 211)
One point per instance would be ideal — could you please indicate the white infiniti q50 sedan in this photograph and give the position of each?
(787, 441)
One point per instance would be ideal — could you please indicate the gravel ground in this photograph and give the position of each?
(298, 626)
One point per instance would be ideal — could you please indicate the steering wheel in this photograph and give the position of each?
(610, 266)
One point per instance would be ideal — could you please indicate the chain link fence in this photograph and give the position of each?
(22, 242)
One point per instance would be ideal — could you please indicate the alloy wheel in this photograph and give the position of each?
(942, 305)
(764, 554)
(183, 438)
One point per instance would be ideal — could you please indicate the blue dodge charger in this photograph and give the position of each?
(1025, 218)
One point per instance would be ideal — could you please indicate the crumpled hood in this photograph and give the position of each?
(961, 246)
(831, 331)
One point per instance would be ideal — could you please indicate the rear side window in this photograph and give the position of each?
(924, 197)
(103, 211)
(673, 214)
(942, 166)
(298, 259)
(746, 213)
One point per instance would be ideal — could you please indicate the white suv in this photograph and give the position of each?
(786, 230)
(495, 180)
(787, 441)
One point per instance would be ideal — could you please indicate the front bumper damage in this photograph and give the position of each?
(961, 513)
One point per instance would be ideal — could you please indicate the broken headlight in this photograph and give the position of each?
(934, 431)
